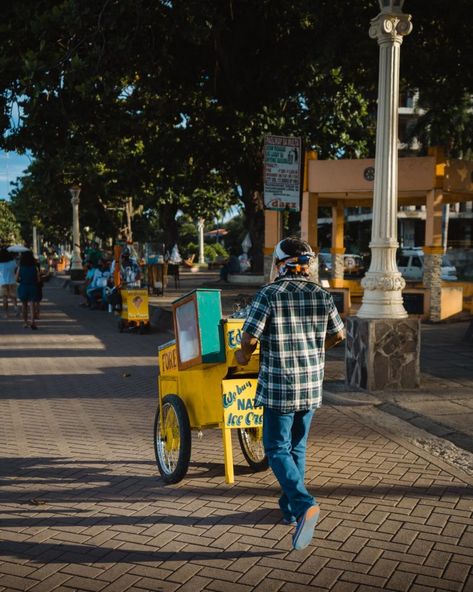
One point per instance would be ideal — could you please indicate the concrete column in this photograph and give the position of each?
(338, 240)
(272, 235)
(433, 280)
(433, 251)
(309, 219)
(383, 283)
(433, 218)
(309, 228)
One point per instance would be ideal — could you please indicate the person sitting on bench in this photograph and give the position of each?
(232, 265)
(97, 289)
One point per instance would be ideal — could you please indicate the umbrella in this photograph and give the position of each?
(17, 249)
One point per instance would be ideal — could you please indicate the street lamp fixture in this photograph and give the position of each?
(391, 6)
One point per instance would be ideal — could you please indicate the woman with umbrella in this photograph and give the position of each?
(29, 291)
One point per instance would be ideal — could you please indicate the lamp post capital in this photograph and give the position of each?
(75, 190)
(391, 24)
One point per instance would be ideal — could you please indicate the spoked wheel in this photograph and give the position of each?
(172, 439)
(251, 442)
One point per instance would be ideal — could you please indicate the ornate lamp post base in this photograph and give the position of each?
(382, 298)
(78, 274)
(383, 353)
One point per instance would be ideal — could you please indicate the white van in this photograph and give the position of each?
(411, 265)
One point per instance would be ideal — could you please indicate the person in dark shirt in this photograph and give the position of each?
(28, 278)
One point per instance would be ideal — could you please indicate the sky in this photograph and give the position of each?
(12, 166)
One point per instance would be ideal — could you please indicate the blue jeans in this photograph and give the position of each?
(285, 440)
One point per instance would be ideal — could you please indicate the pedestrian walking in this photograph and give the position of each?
(28, 277)
(7, 279)
(295, 321)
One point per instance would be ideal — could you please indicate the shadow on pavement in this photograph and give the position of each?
(67, 553)
(125, 381)
(46, 483)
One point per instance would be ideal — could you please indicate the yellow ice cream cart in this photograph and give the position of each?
(134, 313)
(201, 386)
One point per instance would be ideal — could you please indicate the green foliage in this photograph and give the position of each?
(169, 102)
(211, 251)
(236, 233)
(220, 250)
(214, 251)
(9, 228)
(189, 249)
(447, 124)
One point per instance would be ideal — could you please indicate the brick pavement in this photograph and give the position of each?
(82, 506)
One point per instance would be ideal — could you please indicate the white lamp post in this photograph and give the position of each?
(35, 242)
(77, 271)
(383, 345)
(200, 227)
(383, 283)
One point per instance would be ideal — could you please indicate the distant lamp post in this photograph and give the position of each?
(77, 271)
(200, 228)
(35, 242)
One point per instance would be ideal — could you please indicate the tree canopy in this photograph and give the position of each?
(169, 102)
(9, 228)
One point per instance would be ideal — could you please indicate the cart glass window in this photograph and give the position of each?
(188, 333)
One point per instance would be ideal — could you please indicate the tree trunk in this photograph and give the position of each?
(167, 218)
(254, 219)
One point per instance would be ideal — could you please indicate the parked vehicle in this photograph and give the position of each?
(353, 264)
(411, 265)
(325, 263)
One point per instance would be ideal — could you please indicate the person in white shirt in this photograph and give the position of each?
(8, 267)
(98, 286)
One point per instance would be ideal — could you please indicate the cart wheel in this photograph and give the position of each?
(121, 325)
(172, 445)
(251, 442)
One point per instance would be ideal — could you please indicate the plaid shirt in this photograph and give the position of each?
(291, 318)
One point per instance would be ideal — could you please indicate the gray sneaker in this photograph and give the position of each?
(305, 527)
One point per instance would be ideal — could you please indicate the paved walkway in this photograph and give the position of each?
(82, 506)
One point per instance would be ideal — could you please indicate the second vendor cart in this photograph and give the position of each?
(134, 312)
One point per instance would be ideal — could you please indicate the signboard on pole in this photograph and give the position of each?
(282, 173)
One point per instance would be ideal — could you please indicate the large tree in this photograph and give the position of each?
(169, 102)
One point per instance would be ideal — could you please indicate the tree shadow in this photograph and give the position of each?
(60, 481)
(50, 553)
(140, 381)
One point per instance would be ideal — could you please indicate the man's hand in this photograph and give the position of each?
(241, 358)
(332, 340)
(248, 346)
